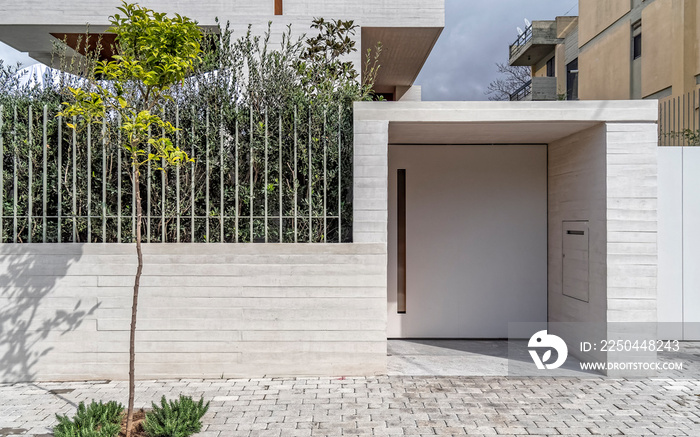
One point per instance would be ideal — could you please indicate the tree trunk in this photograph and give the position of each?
(132, 334)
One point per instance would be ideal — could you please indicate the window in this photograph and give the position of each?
(550, 68)
(572, 80)
(637, 46)
(278, 7)
(637, 39)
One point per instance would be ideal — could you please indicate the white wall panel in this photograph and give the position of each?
(670, 287)
(691, 243)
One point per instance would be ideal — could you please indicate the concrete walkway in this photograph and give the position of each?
(496, 357)
(394, 405)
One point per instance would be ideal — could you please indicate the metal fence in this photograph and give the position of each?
(679, 120)
(281, 175)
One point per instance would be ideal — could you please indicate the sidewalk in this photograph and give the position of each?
(392, 405)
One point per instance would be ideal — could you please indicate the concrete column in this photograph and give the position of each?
(370, 181)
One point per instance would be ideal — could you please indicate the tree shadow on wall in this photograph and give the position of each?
(34, 312)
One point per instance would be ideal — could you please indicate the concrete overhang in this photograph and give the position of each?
(499, 122)
(404, 51)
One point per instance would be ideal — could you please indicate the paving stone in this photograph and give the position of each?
(389, 405)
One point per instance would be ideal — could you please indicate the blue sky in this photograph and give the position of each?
(476, 36)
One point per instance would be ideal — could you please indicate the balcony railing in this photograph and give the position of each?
(522, 92)
(521, 41)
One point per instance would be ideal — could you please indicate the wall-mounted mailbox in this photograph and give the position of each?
(575, 264)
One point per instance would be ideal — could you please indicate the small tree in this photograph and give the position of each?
(153, 53)
(511, 79)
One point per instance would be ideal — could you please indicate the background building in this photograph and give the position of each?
(614, 50)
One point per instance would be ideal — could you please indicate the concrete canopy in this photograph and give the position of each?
(498, 122)
(407, 30)
(404, 51)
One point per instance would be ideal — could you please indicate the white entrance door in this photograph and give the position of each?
(476, 239)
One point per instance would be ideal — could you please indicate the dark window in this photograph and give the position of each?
(637, 46)
(401, 246)
(550, 68)
(278, 7)
(572, 80)
(389, 97)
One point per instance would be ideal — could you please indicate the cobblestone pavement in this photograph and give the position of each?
(392, 405)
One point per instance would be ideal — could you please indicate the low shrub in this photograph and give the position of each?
(179, 418)
(95, 420)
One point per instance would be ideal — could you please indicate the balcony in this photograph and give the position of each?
(539, 88)
(538, 40)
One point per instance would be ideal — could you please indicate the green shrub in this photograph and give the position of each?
(180, 418)
(95, 420)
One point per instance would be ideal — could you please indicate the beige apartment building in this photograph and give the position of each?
(614, 50)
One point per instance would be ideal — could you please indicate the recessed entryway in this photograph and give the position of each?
(474, 221)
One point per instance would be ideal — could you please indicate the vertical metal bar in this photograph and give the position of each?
(177, 174)
(279, 177)
(119, 179)
(14, 193)
(221, 175)
(682, 121)
(59, 165)
(679, 121)
(310, 176)
(2, 173)
(691, 114)
(325, 182)
(668, 127)
(340, 175)
(401, 241)
(693, 111)
(235, 209)
(163, 189)
(666, 121)
(662, 123)
(133, 201)
(673, 121)
(662, 115)
(30, 206)
(104, 180)
(89, 182)
(43, 176)
(192, 236)
(251, 176)
(266, 170)
(75, 182)
(294, 184)
(148, 191)
(206, 237)
(677, 116)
